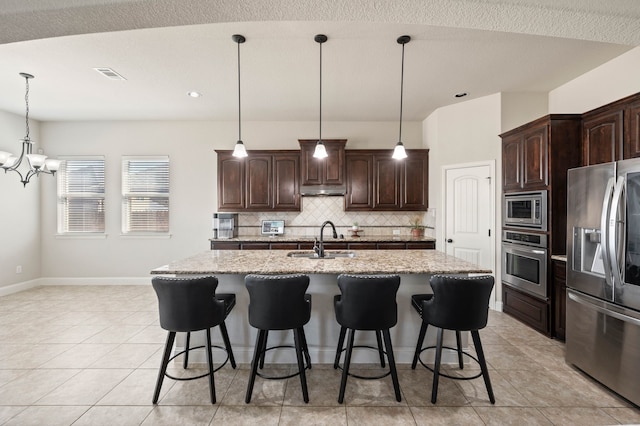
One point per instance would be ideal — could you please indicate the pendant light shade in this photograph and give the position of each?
(239, 150)
(398, 152)
(320, 151)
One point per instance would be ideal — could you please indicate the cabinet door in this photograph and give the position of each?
(359, 181)
(259, 182)
(602, 137)
(535, 159)
(386, 176)
(512, 163)
(286, 182)
(415, 182)
(326, 171)
(632, 132)
(230, 183)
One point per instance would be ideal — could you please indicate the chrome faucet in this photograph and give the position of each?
(319, 247)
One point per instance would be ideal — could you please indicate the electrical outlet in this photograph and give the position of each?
(19, 269)
(396, 232)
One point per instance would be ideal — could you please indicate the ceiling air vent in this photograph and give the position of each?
(110, 74)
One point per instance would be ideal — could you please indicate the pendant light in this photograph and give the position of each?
(320, 151)
(399, 152)
(239, 150)
(37, 163)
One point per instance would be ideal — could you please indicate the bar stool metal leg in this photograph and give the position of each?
(436, 367)
(459, 346)
(305, 348)
(347, 363)
(483, 364)
(163, 367)
(212, 386)
(423, 332)
(257, 353)
(343, 331)
(185, 361)
(380, 350)
(392, 363)
(262, 355)
(297, 337)
(227, 344)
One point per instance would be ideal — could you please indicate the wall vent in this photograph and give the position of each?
(110, 74)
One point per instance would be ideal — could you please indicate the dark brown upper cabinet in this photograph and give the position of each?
(263, 181)
(539, 151)
(327, 171)
(612, 132)
(377, 182)
(602, 136)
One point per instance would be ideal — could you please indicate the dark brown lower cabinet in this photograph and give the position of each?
(328, 245)
(526, 308)
(224, 246)
(559, 298)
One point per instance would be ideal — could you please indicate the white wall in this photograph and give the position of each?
(19, 209)
(520, 108)
(190, 146)
(609, 82)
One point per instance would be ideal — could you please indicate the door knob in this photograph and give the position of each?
(449, 240)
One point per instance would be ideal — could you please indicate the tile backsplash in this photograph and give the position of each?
(315, 210)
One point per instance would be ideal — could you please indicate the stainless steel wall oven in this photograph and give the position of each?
(524, 262)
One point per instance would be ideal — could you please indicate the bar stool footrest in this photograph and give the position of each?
(365, 377)
(264, 376)
(446, 375)
(202, 375)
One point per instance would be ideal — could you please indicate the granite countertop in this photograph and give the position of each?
(560, 257)
(346, 239)
(277, 262)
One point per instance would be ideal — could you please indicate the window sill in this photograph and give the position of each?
(81, 236)
(146, 236)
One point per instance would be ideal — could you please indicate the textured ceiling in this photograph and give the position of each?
(166, 48)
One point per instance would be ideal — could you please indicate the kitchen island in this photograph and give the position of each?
(414, 267)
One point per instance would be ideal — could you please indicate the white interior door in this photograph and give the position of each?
(469, 213)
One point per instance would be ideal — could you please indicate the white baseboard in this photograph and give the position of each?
(26, 285)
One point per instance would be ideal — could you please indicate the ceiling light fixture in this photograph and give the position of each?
(399, 152)
(320, 151)
(194, 94)
(37, 163)
(239, 150)
(461, 94)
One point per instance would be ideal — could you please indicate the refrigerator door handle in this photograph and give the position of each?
(612, 232)
(604, 230)
(608, 309)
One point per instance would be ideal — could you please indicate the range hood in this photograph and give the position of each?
(322, 190)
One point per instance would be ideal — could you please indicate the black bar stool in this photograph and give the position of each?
(367, 302)
(279, 302)
(186, 305)
(458, 304)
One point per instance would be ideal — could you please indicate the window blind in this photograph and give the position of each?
(145, 194)
(81, 195)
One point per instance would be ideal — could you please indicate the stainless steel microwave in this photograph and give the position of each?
(525, 209)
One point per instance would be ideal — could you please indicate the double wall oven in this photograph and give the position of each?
(524, 242)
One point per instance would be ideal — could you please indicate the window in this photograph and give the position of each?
(81, 195)
(145, 195)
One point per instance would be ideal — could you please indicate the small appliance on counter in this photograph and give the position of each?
(272, 228)
(225, 225)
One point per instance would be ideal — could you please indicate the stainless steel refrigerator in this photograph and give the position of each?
(603, 274)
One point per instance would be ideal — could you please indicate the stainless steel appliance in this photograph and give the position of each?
(524, 261)
(603, 274)
(525, 209)
(225, 225)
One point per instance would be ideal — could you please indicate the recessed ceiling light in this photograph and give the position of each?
(194, 94)
(461, 94)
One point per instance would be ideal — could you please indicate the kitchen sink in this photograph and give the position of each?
(328, 254)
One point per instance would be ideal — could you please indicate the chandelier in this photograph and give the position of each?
(36, 163)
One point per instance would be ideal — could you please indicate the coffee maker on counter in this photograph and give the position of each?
(225, 225)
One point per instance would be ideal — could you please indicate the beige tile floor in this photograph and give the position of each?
(88, 355)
